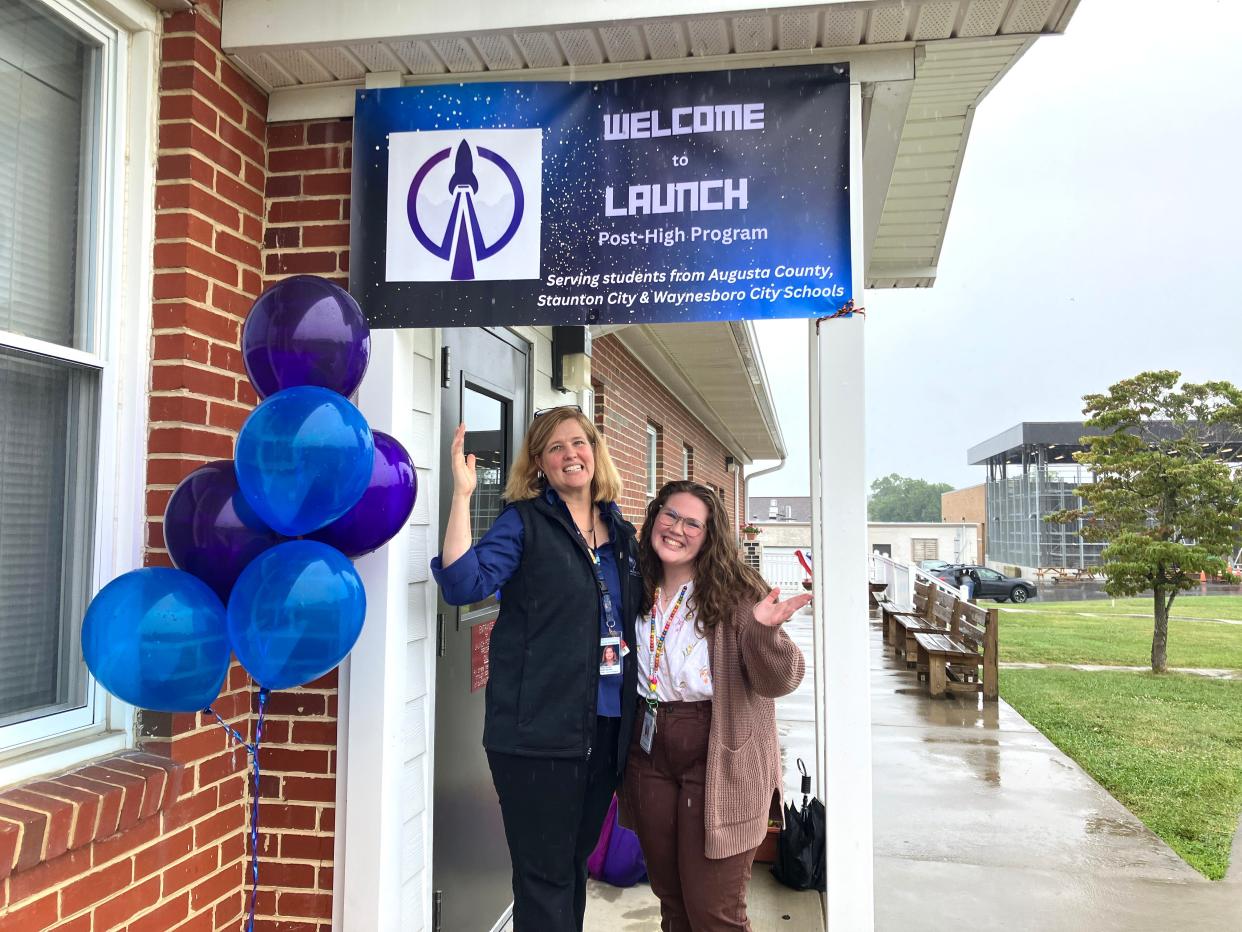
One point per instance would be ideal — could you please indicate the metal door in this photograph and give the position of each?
(485, 375)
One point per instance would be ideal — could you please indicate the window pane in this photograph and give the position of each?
(46, 73)
(652, 439)
(47, 448)
(486, 422)
(485, 438)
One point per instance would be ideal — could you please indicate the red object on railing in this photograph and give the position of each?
(805, 564)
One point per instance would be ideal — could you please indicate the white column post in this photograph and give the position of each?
(371, 695)
(839, 532)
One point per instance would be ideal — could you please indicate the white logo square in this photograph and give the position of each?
(464, 205)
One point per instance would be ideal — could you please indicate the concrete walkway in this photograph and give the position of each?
(980, 821)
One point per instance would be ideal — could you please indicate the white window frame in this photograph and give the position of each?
(686, 453)
(117, 303)
(653, 459)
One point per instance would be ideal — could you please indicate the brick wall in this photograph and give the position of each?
(627, 400)
(306, 232)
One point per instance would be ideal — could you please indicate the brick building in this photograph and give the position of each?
(192, 200)
(969, 505)
(165, 160)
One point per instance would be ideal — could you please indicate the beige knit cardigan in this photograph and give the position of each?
(752, 664)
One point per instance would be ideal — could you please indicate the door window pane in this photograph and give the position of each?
(485, 438)
(47, 75)
(47, 451)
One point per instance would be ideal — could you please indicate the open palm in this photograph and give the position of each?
(465, 476)
(773, 612)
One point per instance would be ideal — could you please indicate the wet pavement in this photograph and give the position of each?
(981, 821)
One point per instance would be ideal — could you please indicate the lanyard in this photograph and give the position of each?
(610, 612)
(656, 646)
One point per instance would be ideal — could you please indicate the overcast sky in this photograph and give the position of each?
(1093, 234)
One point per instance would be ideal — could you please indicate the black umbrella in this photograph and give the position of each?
(800, 848)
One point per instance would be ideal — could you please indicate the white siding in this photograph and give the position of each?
(418, 692)
(955, 543)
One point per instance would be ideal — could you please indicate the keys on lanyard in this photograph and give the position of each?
(656, 646)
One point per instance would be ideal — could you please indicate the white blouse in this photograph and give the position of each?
(685, 673)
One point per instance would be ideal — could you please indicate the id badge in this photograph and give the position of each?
(649, 726)
(610, 656)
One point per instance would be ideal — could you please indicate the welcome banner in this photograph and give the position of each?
(685, 197)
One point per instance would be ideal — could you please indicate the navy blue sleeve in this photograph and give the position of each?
(485, 567)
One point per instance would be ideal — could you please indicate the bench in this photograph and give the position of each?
(951, 660)
(900, 625)
(890, 610)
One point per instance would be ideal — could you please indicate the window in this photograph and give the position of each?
(60, 107)
(687, 462)
(653, 464)
(597, 406)
(989, 575)
(924, 548)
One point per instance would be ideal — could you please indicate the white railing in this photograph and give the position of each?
(901, 577)
(781, 569)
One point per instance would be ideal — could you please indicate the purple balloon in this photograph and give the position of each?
(305, 330)
(210, 529)
(384, 506)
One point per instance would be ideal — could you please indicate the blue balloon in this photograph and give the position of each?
(155, 637)
(304, 458)
(295, 612)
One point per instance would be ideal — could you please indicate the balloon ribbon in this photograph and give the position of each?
(252, 751)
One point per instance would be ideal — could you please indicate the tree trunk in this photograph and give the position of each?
(1160, 636)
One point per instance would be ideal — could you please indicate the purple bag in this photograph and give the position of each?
(617, 858)
(595, 863)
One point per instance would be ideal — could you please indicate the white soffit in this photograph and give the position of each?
(715, 369)
(311, 55)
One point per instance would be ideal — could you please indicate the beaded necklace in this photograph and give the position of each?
(656, 646)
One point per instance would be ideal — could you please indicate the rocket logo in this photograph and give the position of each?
(464, 205)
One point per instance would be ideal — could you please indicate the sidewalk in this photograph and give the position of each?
(980, 820)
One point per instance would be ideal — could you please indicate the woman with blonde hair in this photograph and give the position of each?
(557, 719)
(705, 772)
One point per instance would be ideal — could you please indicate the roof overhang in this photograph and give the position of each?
(924, 66)
(716, 371)
(1057, 441)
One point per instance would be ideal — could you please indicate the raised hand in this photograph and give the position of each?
(772, 612)
(465, 476)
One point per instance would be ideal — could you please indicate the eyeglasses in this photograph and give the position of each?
(542, 411)
(690, 527)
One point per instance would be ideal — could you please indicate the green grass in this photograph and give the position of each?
(1099, 632)
(1197, 606)
(1169, 748)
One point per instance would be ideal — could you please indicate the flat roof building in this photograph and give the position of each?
(1032, 473)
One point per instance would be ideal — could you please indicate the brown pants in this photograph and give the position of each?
(665, 789)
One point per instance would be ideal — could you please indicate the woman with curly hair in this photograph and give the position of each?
(704, 773)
